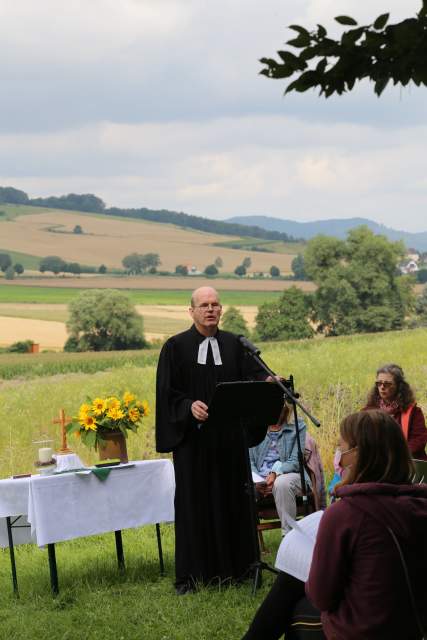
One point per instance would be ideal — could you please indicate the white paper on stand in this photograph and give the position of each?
(296, 549)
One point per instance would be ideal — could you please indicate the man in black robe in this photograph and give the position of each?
(213, 527)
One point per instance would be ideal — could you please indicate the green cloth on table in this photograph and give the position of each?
(102, 473)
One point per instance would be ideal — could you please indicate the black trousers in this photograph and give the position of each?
(275, 613)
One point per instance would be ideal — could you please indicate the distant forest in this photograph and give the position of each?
(92, 204)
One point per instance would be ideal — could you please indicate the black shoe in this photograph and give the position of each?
(183, 588)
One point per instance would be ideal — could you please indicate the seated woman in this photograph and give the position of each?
(276, 460)
(356, 578)
(392, 394)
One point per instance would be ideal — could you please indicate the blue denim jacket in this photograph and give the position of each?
(288, 451)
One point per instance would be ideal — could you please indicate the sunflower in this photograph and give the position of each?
(144, 408)
(128, 397)
(88, 423)
(115, 413)
(84, 410)
(98, 406)
(134, 414)
(113, 403)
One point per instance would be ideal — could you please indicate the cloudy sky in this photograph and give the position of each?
(158, 103)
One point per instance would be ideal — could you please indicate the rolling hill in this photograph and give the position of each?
(337, 228)
(39, 232)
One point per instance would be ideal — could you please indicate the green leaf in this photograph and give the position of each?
(300, 42)
(381, 21)
(380, 85)
(321, 31)
(73, 427)
(292, 60)
(90, 439)
(270, 62)
(299, 30)
(347, 20)
(308, 53)
(352, 36)
(321, 66)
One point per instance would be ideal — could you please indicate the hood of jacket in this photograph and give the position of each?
(400, 507)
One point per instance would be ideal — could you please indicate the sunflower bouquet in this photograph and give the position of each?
(100, 416)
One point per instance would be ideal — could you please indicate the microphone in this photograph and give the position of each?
(247, 344)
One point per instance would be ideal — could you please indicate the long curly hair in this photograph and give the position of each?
(404, 394)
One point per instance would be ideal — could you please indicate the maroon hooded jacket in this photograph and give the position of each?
(356, 577)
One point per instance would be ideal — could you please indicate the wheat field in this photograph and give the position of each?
(107, 240)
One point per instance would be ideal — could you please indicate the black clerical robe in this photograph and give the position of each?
(213, 528)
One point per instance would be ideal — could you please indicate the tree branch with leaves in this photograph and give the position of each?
(380, 52)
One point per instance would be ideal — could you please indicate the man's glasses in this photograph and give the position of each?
(383, 383)
(206, 306)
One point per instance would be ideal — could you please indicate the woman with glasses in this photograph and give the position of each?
(392, 394)
(358, 582)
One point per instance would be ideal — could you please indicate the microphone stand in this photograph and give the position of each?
(291, 397)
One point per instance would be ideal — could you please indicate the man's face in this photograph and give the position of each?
(206, 311)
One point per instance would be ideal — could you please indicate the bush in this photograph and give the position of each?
(52, 263)
(102, 268)
(274, 271)
(240, 270)
(77, 229)
(233, 321)
(9, 273)
(18, 268)
(23, 346)
(104, 320)
(211, 270)
(286, 319)
(5, 261)
(181, 270)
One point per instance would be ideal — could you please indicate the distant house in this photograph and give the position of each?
(413, 254)
(409, 266)
(193, 271)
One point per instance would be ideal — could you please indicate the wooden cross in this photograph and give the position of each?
(63, 421)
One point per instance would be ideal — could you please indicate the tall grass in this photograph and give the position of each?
(333, 377)
(14, 365)
(95, 601)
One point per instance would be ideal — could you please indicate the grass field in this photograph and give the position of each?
(98, 603)
(28, 261)
(63, 295)
(333, 377)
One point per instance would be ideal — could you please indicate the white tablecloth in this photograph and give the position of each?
(14, 496)
(72, 505)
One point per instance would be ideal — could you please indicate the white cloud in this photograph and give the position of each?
(158, 103)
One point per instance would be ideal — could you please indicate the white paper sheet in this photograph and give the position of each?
(296, 549)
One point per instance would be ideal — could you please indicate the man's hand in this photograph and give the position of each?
(199, 410)
(271, 379)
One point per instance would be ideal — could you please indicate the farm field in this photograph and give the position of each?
(39, 313)
(156, 283)
(45, 323)
(106, 240)
(333, 377)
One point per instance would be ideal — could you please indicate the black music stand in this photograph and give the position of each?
(254, 406)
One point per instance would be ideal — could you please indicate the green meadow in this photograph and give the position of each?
(95, 601)
(64, 295)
